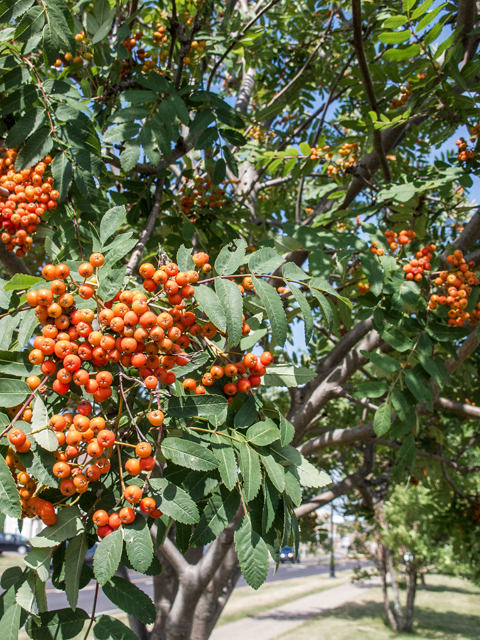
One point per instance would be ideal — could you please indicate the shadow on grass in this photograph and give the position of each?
(442, 588)
(428, 623)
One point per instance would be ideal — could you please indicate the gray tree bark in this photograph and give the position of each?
(397, 607)
(411, 592)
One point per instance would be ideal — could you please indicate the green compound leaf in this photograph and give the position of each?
(252, 554)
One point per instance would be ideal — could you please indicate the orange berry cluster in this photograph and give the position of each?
(31, 194)
(316, 152)
(456, 285)
(107, 523)
(474, 132)
(32, 506)
(69, 351)
(131, 43)
(415, 269)
(363, 287)
(403, 238)
(405, 94)
(464, 153)
(132, 333)
(69, 338)
(258, 133)
(86, 439)
(255, 365)
(376, 250)
(197, 193)
(348, 151)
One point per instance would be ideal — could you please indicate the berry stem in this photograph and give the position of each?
(24, 406)
(120, 469)
(92, 617)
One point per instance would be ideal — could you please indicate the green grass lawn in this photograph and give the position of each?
(10, 560)
(449, 609)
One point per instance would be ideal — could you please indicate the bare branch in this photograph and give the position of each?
(466, 349)
(466, 19)
(329, 386)
(148, 230)
(174, 557)
(272, 183)
(460, 408)
(349, 483)
(245, 91)
(299, 74)
(11, 263)
(367, 83)
(238, 37)
(215, 596)
(337, 437)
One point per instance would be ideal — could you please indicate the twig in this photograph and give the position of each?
(24, 406)
(369, 90)
(238, 37)
(298, 208)
(120, 469)
(92, 617)
(149, 227)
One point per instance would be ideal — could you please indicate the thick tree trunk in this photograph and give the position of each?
(215, 596)
(411, 591)
(165, 588)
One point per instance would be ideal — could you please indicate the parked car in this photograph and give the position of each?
(287, 554)
(13, 542)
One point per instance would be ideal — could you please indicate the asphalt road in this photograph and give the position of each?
(57, 599)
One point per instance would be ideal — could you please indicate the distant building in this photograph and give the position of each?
(30, 527)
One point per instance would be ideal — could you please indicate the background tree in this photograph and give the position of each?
(307, 131)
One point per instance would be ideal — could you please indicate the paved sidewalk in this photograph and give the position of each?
(275, 622)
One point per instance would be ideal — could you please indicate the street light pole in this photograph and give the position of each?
(332, 554)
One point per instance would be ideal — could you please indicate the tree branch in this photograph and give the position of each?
(465, 349)
(245, 91)
(460, 408)
(215, 596)
(467, 238)
(11, 263)
(301, 415)
(349, 483)
(367, 83)
(337, 437)
(466, 19)
(148, 230)
(217, 551)
(238, 37)
(174, 557)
